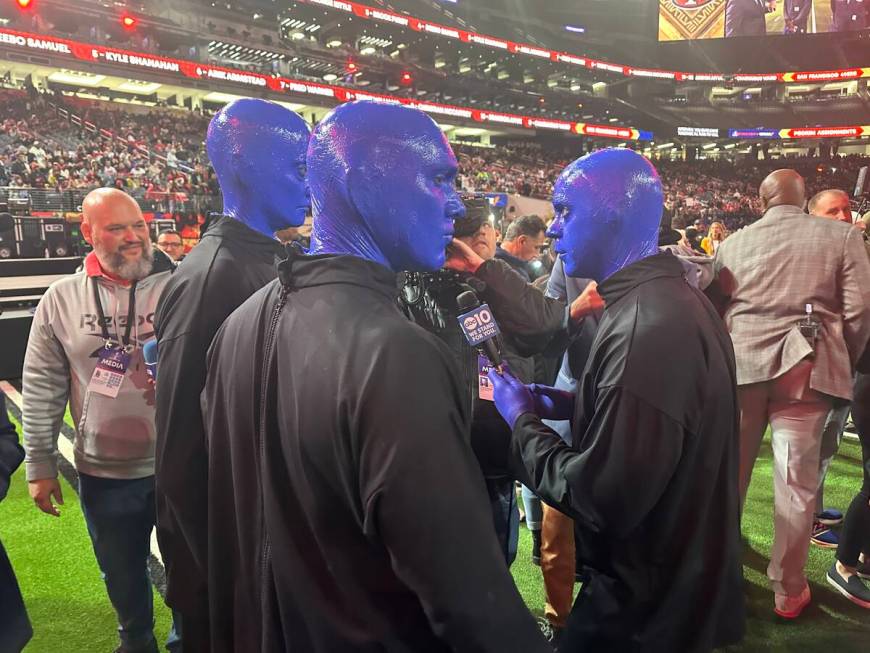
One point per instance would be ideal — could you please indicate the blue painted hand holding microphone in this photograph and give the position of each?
(512, 396)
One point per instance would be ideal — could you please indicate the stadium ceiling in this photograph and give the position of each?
(606, 22)
(624, 32)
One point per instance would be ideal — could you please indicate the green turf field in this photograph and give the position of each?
(70, 612)
(831, 623)
(65, 596)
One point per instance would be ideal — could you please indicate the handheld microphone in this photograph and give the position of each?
(479, 327)
(149, 353)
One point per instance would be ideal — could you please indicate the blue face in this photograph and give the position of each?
(383, 186)
(258, 150)
(412, 209)
(608, 208)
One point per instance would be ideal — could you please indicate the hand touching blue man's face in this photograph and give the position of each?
(608, 208)
(383, 186)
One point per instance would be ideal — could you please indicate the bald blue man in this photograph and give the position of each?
(651, 477)
(258, 150)
(344, 473)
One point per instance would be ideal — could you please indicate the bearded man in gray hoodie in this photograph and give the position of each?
(85, 348)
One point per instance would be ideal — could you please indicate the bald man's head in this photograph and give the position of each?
(113, 223)
(833, 204)
(782, 188)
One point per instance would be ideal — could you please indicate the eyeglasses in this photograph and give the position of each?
(171, 244)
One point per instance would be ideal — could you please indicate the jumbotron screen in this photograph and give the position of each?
(688, 20)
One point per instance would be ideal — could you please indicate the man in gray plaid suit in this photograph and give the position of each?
(789, 377)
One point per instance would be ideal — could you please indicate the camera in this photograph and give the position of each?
(477, 211)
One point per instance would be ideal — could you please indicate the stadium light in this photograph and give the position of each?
(576, 29)
(351, 68)
(406, 78)
(129, 22)
(24, 4)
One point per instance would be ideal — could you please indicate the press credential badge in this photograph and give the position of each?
(111, 369)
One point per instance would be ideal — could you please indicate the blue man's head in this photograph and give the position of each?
(258, 149)
(382, 186)
(608, 208)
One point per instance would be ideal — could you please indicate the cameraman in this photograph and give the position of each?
(529, 321)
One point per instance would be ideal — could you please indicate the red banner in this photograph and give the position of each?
(525, 49)
(132, 61)
(826, 132)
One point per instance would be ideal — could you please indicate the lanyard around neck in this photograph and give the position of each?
(101, 314)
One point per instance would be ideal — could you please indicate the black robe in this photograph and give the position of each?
(652, 479)
(230, 263)
(346, 509)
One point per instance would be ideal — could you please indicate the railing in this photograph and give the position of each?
(87, 126)
(26, 201)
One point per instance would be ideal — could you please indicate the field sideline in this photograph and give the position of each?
(70, 612)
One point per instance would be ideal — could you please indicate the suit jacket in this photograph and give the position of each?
(843, 13)
(745, 18)
(769, 271)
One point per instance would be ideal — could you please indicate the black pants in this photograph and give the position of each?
(855, 537)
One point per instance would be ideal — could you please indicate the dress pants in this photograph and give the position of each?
(505, 514)
(558, 565)
(832, 435)
(796, 415)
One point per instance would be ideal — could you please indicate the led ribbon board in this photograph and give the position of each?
(131, 61)
(698, 17)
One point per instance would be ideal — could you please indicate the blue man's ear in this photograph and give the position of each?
(361, 194)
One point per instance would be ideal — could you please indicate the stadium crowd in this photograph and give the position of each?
(145, 153)
(159, 153)
(616, 497)
(709, 190)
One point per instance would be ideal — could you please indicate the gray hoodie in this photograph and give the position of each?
(114, 437)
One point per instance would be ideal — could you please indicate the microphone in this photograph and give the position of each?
(149, 353)
(479, 327)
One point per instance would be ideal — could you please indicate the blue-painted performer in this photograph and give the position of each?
(258, 151)
(651, 477)
(343, 470)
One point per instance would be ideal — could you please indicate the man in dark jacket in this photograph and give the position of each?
(522, 245)
(15, 629)
(338, 430)
(848, 15)
(796, 14)
(528, 320)
(257, 149)
(651, 478)
(747, 17)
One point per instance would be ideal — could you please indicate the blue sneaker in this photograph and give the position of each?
(823, 536)
(830, 517)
